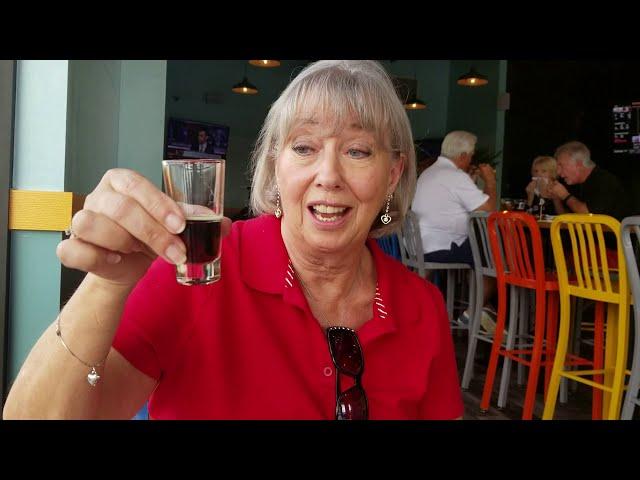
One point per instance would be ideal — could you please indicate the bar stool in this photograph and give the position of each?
(631, 225)
(412, 255)
(516, 245)
(483, 266)
(593, 280)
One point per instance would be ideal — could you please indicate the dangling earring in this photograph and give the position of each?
(278, 212)
(386, 218)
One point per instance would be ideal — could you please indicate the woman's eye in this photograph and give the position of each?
(358, 153)
(302, 149)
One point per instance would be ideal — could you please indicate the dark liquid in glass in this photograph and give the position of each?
(202, 239)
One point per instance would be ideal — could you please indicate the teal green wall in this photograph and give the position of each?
(474, 108)
(141, 119)
(432, 78)
(39, 164)
(116, 119)
(94, 110)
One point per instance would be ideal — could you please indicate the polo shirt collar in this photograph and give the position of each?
(265, 266)
(446, 162)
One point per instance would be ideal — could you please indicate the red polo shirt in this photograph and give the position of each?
(248, 347)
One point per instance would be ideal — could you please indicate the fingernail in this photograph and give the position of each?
(113, 258)
(175, 254)
(175, 223)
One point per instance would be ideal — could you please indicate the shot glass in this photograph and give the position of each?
(197, 186)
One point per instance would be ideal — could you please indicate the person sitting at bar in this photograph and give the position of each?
(445, 195)
(588, 188)
(543, 171)
(585, 186)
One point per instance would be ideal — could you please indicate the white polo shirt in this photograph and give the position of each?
(444, 197)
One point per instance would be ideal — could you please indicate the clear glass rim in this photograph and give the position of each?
(192, 160)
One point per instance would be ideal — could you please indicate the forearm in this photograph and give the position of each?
(52, 383)
(490, 189)
(530, 199)
(557, 203)
(576, 206)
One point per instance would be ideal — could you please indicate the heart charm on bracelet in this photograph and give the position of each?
(93, 377)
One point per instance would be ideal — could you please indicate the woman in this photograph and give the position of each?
(333, 164)
(543, 171)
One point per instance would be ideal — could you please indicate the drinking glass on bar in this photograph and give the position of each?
(197, 185)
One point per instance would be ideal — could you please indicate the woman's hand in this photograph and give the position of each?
(531, 191)
(125, 224)
(531, 188)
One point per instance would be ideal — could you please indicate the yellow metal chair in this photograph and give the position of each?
(592, 278)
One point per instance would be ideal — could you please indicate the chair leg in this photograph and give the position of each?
(536, 357)
(559, 360)
(450, 292)
(598, 359)
(474, 326)
(621, 318)
(577, 334)
(523, 328)
(495, 348)
(631, 398)
(511, 340)
(552, 325)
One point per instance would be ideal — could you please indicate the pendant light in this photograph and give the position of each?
(472, 79)
(265, 63)
(245, 87)
(413, 102)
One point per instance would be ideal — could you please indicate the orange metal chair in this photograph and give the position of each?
(522, 265)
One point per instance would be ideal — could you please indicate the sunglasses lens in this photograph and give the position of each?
(345, 350)
(352, 405)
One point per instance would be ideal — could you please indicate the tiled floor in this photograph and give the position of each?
(577, 408)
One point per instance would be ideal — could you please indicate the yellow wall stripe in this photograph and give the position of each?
(45, 211)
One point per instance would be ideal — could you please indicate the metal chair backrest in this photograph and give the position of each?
(480, 245)
(516, 245)
(411, 251)
(631, 226)
(592, 277)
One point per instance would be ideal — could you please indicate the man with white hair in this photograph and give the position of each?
(587, 187)
(445, 195)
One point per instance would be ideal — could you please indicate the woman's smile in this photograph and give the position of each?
(326, 215)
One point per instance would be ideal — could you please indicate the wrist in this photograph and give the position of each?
(108, 288)
(566, 198)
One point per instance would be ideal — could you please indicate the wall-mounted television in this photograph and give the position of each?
(194, 139)
(626, 128)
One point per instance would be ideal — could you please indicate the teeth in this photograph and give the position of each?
(328, 209)
(326, 219)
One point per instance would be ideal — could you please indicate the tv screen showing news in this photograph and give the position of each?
(626, 128)
(193, 139)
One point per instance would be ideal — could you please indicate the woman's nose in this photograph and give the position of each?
(329, 174)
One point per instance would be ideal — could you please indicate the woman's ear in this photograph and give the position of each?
(395, 174)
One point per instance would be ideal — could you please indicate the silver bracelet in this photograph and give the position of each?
(93, 376)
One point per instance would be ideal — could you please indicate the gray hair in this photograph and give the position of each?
(576, 151)
(458, 142)
(338, 88)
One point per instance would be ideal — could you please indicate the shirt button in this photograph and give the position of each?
(328, 371)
